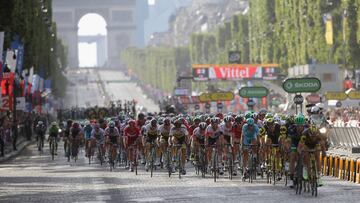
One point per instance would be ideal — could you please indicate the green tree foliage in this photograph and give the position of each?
(32, 23)
(286, 32)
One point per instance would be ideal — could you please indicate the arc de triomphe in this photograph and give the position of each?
(121, 27)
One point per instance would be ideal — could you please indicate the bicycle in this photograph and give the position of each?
(134, 160)
(52, 146)
(230, 161)
(272, 171)
(313, 174)
(40, 142)
(112, 154)
(179, 166)
(252, 170)
(201, 161)
(100, 155)
(168, 161)
(152, 157)
(214, 162)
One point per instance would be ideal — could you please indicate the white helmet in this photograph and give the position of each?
(315, 109)
(320, 105)
(40, 122)
(87, 122)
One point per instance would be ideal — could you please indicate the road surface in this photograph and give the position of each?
(33, 177)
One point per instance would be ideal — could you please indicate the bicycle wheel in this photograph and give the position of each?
(230, 166)
(214, 164)
(179, 162)
(152, 161)
(136, 162)
(168, 159)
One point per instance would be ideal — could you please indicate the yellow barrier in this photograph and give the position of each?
(324, 160)
(336, 166)
(352, 170)
(341, 167)
(347, 169)
(358, 171)
(331, 166)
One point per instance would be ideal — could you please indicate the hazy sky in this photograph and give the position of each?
(90, 24)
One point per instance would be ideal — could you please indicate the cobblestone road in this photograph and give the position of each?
(33, 177)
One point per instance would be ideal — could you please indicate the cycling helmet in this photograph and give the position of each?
(227, 119)
(315, 109)
(250, 121)
(248, 115)
(262, 111)
(87, 122)
(141, 116)
(112, 124)
(320, 105)
(262, 131)
(40, 123)
(269, 121)
(153, 122)
(239, 119)
(75, 125)
(197, 120)
(254, 115)
(269, 115)
(283, 130)
(202, 125)
(213, 120)
(300, 120)
(54, 124)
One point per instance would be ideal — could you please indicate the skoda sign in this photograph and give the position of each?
(298, 85)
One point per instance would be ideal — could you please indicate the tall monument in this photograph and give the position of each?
(121, 19)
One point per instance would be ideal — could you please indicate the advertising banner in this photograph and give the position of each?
(203, 72)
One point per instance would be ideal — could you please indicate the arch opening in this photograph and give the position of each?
(92, 41)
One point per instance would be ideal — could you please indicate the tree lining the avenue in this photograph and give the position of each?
(285, 32)
(32, 22)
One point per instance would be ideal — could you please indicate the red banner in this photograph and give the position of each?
(235, 72)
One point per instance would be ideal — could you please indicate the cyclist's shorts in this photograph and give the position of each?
(247, 141)
(150, 139)
(113, 139)
(132, 140)
(180, 141)
(212, 141)
(200, 140)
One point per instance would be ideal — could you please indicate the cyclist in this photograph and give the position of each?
(312, 141)
(197, 140)
(150, 138)
(67, 134)
(226, 129)
(178, 136)
(295, 131)
(250, 132)
(112, 139)
(213, 137)
(40, 131)
(237, 130)
(131, 138)
(98, 135)
(272, 130)
(87, 132)
(163, 132)
(53, 134)
(195, 124)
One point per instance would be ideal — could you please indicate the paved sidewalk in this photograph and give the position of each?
(22, 142)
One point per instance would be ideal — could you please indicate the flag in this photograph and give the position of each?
(1, 53)
(329, 30)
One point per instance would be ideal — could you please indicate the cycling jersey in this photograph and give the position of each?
(113, 134)
(164, 131)
(227, 132)
(151, 133)
(311, 139)
(98, 135)
(295, 136)
(53, 131)
(87, 130)
(213, 134)
(179, 134)
(200, 137)
(237, 130)
(132, 134)
(273, 135)
(249, 134)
